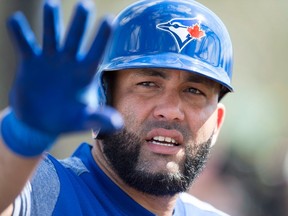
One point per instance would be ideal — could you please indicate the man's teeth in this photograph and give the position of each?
(166, 141)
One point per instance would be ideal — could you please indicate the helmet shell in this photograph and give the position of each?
(171, 34)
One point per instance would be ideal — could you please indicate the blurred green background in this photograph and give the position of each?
(247, 174)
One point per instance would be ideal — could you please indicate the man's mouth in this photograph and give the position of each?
(164, 141)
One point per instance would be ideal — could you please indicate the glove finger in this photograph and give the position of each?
(22, 35)
(77, 28)
(98, 45)
(106, 120)
(51, 32)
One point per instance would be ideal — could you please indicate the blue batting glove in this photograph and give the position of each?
(52, 81)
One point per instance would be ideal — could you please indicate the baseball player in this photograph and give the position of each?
(149, 87)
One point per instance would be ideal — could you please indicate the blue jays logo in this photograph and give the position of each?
(183, 30)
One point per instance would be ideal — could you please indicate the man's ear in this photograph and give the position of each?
(220, 119)
(221, 115)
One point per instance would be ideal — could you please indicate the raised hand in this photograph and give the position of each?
(51, 81)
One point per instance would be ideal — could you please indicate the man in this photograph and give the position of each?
(166, 66)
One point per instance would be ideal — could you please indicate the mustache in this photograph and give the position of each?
(152, 124)
(166, 125)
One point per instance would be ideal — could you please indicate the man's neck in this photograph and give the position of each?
(159, 205)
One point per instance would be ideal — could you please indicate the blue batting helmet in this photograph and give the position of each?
(173, 34)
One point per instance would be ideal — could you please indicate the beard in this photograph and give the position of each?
(123, 151)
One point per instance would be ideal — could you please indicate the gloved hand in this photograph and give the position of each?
(51, 82)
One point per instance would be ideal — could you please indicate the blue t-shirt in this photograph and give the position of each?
(77, 186)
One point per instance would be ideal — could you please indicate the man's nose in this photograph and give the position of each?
(169, 107)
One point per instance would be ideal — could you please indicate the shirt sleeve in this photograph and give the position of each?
(40, 194)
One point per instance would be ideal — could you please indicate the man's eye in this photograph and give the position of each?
(147, 84)
(194, 91)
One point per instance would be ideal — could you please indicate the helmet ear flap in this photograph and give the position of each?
(105, 84)
(108, 81)
(223, 91)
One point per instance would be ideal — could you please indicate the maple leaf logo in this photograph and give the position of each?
(195, 31)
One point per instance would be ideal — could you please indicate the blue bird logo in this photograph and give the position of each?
(183, 30)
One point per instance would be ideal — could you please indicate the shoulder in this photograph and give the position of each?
(45, 174)
(44, 197)
(190, 204)
(37, 197)
(42, 192)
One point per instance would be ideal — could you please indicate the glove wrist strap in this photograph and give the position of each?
(22, 139)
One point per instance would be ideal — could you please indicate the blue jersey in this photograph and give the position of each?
(77, 186)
